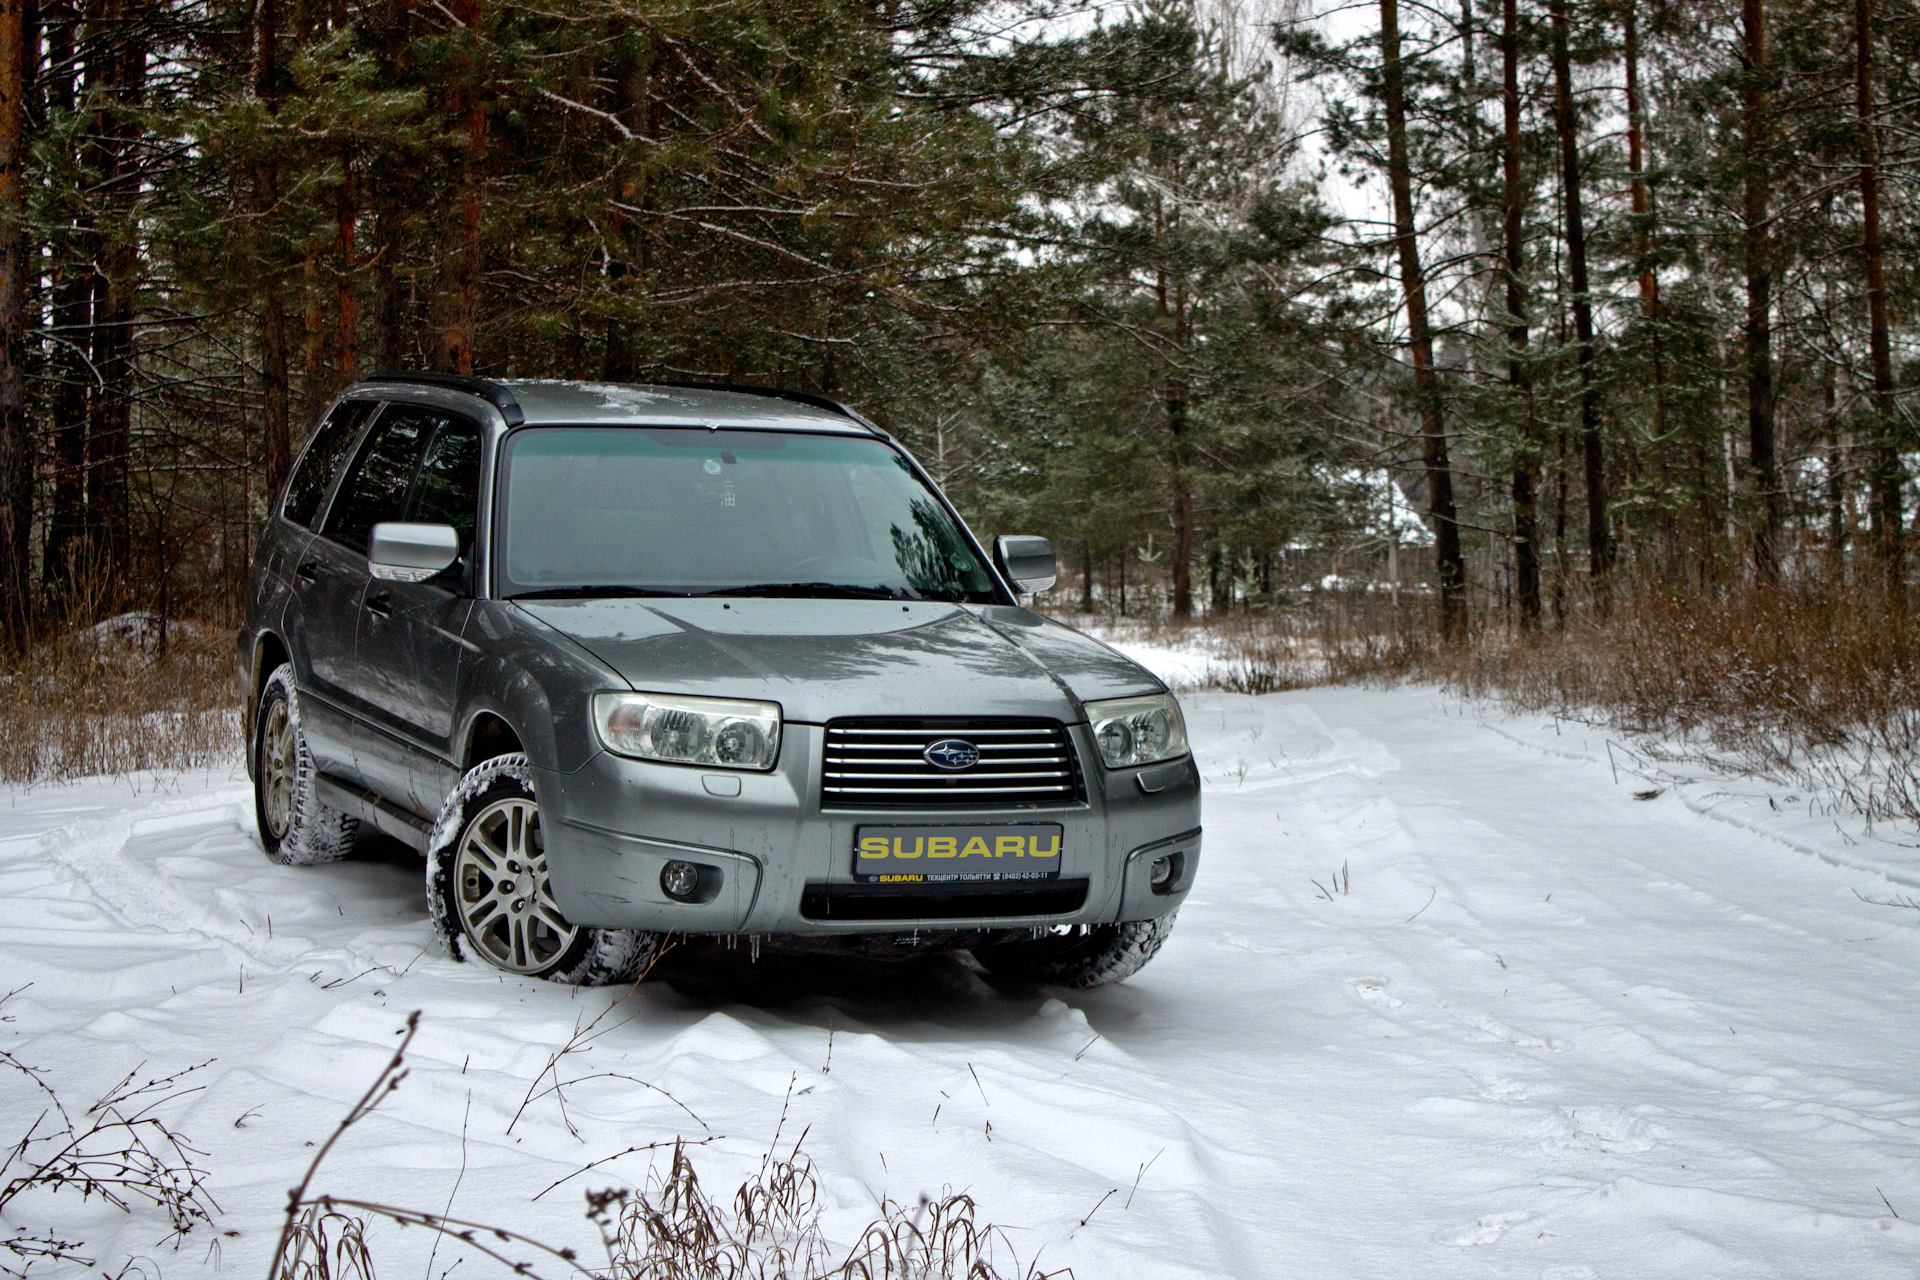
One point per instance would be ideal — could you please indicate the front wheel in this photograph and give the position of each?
(488, 890)
(1083, 955)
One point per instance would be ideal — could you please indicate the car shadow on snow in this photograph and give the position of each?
(914, 999)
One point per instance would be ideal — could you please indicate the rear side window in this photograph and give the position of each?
(308, 487)
(418, 464)
(447, 488)
(377, 487)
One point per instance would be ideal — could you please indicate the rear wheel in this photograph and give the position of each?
(488, 889)
(1084, 955)
(296, 829)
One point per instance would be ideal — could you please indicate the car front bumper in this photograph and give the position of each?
(774, 862)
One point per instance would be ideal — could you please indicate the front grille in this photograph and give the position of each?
(879, 764)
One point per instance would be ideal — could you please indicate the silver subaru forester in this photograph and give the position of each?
(632, 662)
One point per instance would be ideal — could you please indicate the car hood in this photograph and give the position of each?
(823, 659)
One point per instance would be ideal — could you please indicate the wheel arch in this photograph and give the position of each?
(488, 734)
(269, 651)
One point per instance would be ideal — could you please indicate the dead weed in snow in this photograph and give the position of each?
(1814, 687)
(118, 1150)
(112, 700)
(670, 1230)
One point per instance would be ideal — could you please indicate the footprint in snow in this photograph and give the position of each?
(1501, 1031)
(1374, 991)
(1610, 1130)
(1485, 1231)
(1501, 1090)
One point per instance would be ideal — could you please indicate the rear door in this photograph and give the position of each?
(321, 586)
(410, 644)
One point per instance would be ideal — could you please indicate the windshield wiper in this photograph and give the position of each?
(814, 591)
(592, 593)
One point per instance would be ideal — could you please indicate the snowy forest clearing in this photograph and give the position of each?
(1448, 1000)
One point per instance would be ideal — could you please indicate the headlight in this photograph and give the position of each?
(1138, 730)
(722, 732)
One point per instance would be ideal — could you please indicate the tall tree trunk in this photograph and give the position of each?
(1887, 474)
(346, 294)
(630, 272)
(1560, 566)
(455, 348)
(1759, 263)
(315, 368)
(116, 70)
(1170, 295)
(276, 444)
(1836, 481)
(72, 316)
(276, 440)
(1642, 204)
(392, 350)
(17, 68)
(72, 319)
(1599, 528)
(1176, 401)
(1526, 532)
(1086, 576)
(1449, 564)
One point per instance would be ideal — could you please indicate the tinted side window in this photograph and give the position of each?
(376, 489)
(447, 490)
(322, 458)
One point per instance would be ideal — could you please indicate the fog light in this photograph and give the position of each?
(1160, 875)
(680, 881)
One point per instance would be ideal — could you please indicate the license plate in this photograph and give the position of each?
(941, 855)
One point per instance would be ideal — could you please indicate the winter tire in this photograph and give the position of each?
(296, 829)
(488, 894)
(1087, 955)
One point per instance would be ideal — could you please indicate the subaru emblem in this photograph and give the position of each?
(952, 753)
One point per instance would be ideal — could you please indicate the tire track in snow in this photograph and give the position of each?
(117, 858)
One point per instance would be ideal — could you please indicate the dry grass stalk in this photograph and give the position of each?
(332, 1246)
(771, 1231)
(670, 1231)
(1813, 687)
(109, 700)
(581, 1043)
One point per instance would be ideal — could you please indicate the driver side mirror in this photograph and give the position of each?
(411, 552)
(1027, 562)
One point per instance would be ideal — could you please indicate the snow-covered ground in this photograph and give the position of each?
(1539, 1027)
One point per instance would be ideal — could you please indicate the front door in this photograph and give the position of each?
(369, 680)
(410, 642)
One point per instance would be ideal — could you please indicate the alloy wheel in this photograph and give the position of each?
(278, 758)
(506, 907)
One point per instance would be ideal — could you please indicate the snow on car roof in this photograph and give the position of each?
(556, 402)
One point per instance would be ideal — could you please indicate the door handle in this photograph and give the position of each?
(308, 572)
(381, 603)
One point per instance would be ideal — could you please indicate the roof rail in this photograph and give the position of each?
(492, 392)
(777, 393)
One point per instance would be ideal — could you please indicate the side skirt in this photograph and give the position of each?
(383, 815)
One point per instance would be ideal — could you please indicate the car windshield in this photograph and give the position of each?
(611, 511)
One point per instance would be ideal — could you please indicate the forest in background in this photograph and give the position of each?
(1511, 305)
